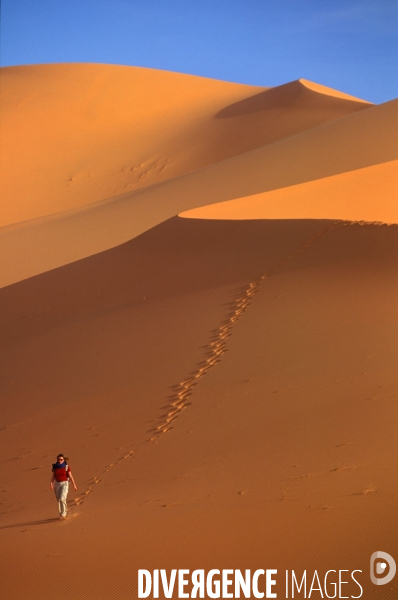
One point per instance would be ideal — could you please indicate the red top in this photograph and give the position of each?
(62, 473)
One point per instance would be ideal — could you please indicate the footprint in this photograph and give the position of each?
(337, 468)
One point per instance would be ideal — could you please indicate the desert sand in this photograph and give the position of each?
(199, 307)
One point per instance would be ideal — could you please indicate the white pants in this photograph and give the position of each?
(61, 489)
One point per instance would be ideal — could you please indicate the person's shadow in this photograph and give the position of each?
(42, 522)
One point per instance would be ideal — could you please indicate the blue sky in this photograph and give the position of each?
(351, 45)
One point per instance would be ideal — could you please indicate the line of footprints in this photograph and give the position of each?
(95, 480)
(179, 400)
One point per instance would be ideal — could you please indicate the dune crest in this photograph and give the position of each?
(295, 103)
(351, 196)
(323, 89)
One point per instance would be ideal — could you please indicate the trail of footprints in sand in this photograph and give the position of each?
(184, 389)
(179, 400)
(97, 479)
(214, 350)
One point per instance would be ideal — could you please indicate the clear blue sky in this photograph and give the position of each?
(351, 45)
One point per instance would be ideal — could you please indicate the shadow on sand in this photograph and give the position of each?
(42, 522)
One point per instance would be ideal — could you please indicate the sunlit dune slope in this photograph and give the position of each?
(73, 134)
(356, 141)
(369, 194)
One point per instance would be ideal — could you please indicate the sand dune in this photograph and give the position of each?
(223, 384)
(271, 372)
(81, 133)
(350, 196)
(352, 142)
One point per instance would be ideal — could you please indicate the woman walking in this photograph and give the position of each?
(60, 483)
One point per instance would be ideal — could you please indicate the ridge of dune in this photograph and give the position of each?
(356, 141)
(300, 96)
(345, 196)
(80, 133)
(323, 89)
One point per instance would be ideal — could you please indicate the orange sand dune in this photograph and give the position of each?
(79, 133)
(345, 196)
(352, 142)
(260, 359)
(225, 385)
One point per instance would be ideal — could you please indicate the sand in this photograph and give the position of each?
(350, 196)
(224, 384)
(81, 133)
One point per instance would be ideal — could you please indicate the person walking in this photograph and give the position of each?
(61, 476)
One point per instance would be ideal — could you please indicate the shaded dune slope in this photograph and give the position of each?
(284, 435)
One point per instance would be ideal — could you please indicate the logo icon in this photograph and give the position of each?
(381, 562)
